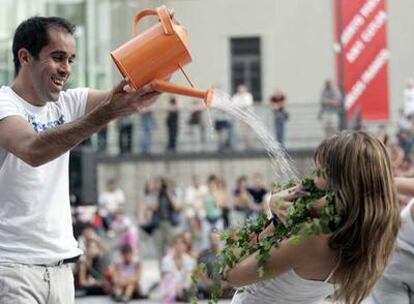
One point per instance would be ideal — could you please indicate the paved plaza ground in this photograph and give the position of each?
(150, 276)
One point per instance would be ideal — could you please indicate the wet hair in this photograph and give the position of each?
(32, 34)
(359, 172)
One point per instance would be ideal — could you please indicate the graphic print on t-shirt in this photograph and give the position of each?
(41, 126)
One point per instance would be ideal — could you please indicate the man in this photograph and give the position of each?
(277, 103)
(39, 124)
(329, 110)
(210, 257)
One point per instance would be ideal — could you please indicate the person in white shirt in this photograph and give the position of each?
(409, 98)
(244, 100)
(194, 205)
(110, 201)
(40, 123)
(177, 267)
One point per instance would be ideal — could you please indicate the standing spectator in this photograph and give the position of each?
(356, 120)
(167, 214)
(148, 124)
(223, 124)
(177, 268)
(244, 100)
(109, 201)
(258, 193)
(404, 121)
(330, 108)
(196, 123)
(125, 134)
(127, 276)
(278, 103)
(409, 98)
(172, 123)
(103, 138)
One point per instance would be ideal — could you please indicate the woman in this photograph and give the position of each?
(347, 262)
(177, 268)
(214, 218)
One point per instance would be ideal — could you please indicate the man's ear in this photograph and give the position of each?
(24, 56)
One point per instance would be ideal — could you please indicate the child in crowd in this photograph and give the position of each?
(127, 275)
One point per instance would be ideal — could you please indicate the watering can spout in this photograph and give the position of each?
(168, 87)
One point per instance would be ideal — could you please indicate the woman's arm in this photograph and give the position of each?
(405, 185)
(286, 256)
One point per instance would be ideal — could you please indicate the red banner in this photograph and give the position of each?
(362, 56)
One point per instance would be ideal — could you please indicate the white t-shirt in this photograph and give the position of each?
(183, 275)
(110, 201)
(409, 101)
(194, 200)
(35, 216)
(244, 100)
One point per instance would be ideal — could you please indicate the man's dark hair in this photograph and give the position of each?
(32, 34)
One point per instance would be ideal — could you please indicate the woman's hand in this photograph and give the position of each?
(281, 201)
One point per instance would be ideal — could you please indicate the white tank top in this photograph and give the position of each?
(406, 234)
(288, 288)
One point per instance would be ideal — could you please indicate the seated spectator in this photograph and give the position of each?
(258, 193)
(189, 244)
(126, 277)
(92, 269)
(89, 234)
(209, 257)
(125, 231)
(243, 201)
(112, 198)
(177, 268)
(214, 217)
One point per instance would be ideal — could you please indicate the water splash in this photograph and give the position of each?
(280, 161)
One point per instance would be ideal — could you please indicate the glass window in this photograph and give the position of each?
(246, 65)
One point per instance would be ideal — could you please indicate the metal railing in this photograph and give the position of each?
(303, 131)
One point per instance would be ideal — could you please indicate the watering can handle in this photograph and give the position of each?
(162, 13)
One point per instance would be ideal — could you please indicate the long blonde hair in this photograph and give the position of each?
(359, 172)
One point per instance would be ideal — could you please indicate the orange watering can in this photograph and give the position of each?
(156, 53)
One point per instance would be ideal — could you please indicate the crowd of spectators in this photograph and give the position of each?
(182, 223)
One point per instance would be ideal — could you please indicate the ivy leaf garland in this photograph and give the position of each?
(306, 217)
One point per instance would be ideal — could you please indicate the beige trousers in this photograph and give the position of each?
(27, 284)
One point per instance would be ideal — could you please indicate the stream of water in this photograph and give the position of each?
(281, 162)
